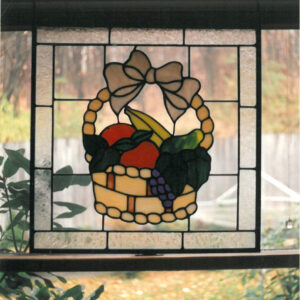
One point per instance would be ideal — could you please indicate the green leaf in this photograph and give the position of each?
(57, 225)
(173, 170)
(92, 143)
(2, 185)
(47, 281)
(65, 170)
(82, 180)
(3, 211)
(16, 219)
(5, 291)
(124, 144)
(14, 204)
(67, 215)
(21, 151)
(9, 168)
(103, 159)
(62, 182)
(141, 135)
(190, 166)
(43, 293)
(24, 225)
(74, 292)
(19, 186)
(1, 160)
(75, 209)
(198, 170)
(38, 283)
(96, 294)
(18, 159)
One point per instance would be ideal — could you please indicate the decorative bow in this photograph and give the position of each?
(125, 81)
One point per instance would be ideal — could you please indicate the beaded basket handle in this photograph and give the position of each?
(202, 113)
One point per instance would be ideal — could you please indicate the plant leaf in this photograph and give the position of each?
(18, 159)
(16, 219)
(19, 186)
(43, 293)
(62, 182)
(60, 278)
(75, 292)
(14, 204)
(1, 160)
(23, 225)
(75, 209)
(9, 168)
(65, 170)
(57, 225)
(96, 294)
(47, 281)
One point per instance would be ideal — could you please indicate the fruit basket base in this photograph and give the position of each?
(142, 209)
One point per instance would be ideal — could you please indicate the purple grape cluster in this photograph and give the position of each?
(160, 188)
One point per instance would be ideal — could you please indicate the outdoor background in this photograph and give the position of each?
(75, 67)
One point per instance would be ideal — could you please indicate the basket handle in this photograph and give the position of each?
(202, 113)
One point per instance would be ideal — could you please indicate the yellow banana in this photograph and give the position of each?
(142, 121)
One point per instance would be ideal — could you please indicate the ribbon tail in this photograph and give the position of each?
(173, 111)
(118, 103)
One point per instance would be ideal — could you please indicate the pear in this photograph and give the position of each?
(178, 143)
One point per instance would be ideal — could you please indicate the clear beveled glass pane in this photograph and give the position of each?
(216, 69)
(219, 240)
(219, 37)
(44, 55)
(70, 240)
(146, 36)
(144, 240)
(247, 138)
(42, 200)
(247, 199)
(43, 137)
(78, 71)
(248, 75)
(73, 35)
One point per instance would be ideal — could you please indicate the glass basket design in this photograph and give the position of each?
(141, 172)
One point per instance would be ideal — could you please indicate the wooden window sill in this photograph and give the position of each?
(173, 262)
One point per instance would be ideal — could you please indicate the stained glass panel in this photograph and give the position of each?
(142, 149)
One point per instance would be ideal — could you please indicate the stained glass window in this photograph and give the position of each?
(147, 163)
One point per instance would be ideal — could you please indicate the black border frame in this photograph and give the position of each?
(242, 14)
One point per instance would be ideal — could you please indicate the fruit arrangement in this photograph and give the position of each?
(141, 172)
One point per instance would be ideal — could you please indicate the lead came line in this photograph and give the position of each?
(239, 135)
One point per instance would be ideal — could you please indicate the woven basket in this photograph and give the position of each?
(124, 193)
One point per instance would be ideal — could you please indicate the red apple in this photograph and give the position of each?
(115, 132)
(143, 156)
